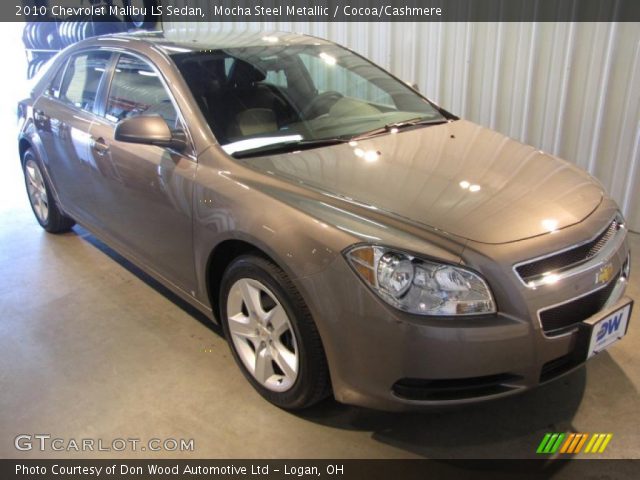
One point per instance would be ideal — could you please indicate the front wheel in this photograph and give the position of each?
(272, 335)
(43, 203)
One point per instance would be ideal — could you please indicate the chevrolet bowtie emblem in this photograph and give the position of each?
(604, 274)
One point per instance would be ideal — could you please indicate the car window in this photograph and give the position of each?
(137, 90)
(341, 80)
(56, 83)
(277, 77)
(82, 79)
(285, 94)
(228, 63)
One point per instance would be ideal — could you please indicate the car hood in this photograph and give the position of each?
(458, 177)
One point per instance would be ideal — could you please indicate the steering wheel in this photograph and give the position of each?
(321, 104)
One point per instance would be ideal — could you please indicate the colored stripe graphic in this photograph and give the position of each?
(598, 443)
(590, 444)
(572, 443)
(565, 447)
(556, 445)
(550, 443)
(581, 443)
(605, 442)
(543, 443)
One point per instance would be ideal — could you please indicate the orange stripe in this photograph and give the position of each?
(565, 445)
(582, 440)
(574, 443)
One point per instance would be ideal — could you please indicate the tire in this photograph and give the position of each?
(27, 35)
(146, 22)
(275, 341)
(107, 25)
(66, 33)
(42, 201)
(30, 69)
(53, 38)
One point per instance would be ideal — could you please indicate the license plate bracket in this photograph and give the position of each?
(598, 333)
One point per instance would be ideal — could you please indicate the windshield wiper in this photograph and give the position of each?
(400, 125)
(288, 146)
(293, 145)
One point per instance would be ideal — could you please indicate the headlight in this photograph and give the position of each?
(421, 286)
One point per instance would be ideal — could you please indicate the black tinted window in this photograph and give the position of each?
(82, 79)
(137, 90)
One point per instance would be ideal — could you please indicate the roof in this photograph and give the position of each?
(180, 41)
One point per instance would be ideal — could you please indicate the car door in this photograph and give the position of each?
(63, 116)
(145, 191)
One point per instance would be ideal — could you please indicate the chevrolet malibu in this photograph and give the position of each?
(351, 237)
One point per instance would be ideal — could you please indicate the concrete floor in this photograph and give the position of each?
(91, 348)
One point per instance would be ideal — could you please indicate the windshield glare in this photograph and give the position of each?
(264, 96)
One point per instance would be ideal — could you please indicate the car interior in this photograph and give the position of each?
(236, 101)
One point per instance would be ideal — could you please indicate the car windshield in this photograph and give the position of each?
(279, 98)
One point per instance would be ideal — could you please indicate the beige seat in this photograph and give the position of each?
(348, 107)
(256, 121)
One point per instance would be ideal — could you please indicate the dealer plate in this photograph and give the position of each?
(609, 330)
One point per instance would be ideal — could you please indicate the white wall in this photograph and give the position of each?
(572, 89)
(14, 87)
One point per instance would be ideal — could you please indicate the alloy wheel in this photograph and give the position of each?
(37, 190)
(262, 334)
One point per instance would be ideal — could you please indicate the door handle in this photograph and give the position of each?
(99, 146)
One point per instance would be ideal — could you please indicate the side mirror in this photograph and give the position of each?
(150, 130)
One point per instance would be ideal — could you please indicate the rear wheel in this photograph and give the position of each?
(272, 335)
(43, 203)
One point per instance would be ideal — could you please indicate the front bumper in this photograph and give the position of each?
(383, 358)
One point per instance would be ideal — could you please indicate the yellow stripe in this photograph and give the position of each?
(605, 443)
(588, 449)
(574, 443)
(598, 442)
(565, 445)
(582, 440)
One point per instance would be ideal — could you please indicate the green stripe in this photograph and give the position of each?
(543, 443)
(550, 443)
(557, 444)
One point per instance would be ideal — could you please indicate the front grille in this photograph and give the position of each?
(558, 320)
(568, 258)
(454, 388)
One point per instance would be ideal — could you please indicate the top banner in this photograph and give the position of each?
(323, 10)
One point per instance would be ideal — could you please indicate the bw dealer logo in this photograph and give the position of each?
(574, 442)
(608, 327)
